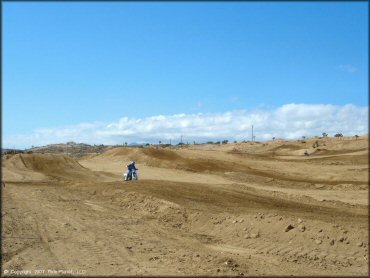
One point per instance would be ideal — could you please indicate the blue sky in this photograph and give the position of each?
(67, 64)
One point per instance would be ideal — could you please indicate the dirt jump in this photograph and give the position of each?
(235, 209)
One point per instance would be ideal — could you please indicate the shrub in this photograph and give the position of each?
(316, 144)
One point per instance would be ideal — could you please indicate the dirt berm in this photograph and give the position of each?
(45, 166)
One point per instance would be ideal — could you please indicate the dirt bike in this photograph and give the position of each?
(133, 176)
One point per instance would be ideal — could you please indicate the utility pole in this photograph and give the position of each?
(170, 142)
(181, 139)
(252, 133)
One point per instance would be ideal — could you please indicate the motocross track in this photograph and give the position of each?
(199, 210)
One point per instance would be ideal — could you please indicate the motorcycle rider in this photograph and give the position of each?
(130, 168)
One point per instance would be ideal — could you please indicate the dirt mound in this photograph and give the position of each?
(170, 159)
(322, 152)
(147, 156)
(137, 153)
(121, 151)
(289, 147)
(48, 165)
(162, 154)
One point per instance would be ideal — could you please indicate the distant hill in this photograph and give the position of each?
(134, 144)
(72, 149)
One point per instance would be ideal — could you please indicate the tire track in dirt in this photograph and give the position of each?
(231, 199)
(18, 230)
(295, 254)
(91, 251)
(45, 239)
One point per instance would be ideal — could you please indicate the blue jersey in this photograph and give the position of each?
(131, 166)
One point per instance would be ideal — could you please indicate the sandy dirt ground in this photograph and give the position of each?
(235, 209)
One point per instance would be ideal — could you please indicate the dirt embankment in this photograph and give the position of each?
(28, 167)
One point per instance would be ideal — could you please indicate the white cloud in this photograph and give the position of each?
(348, 68)
(289, 121)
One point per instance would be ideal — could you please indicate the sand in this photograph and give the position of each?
(234, 209)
